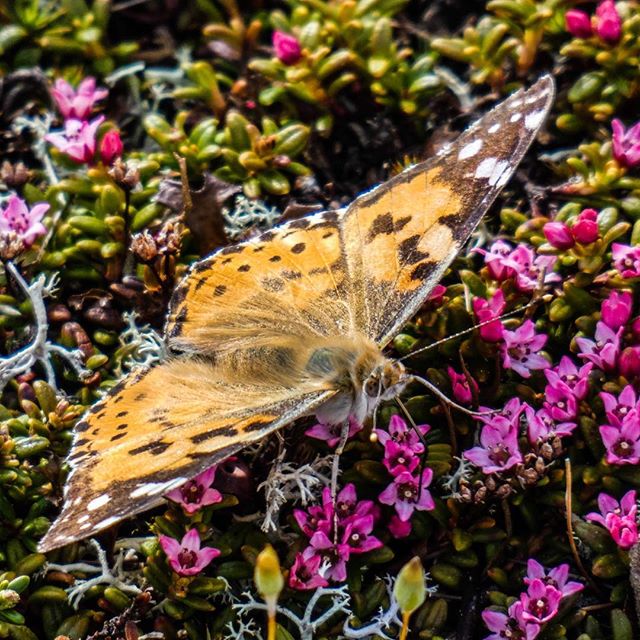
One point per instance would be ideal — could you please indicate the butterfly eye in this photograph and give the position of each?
(372, 386)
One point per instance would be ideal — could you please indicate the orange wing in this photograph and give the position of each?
(159, 428)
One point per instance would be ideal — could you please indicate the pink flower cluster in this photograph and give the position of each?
(619, 518)
(77, 139)
(621, 434)
(196, 493)
(583, 230)
(16, 218)
(329, 548)
(535, 607)
(606, 23)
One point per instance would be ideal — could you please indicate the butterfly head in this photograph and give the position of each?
(385, 381)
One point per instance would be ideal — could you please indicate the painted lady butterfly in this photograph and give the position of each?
(291, 323)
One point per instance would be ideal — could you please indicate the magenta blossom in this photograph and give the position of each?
(520, 350)
(333, 557)
(585, 227)
(111, 146)
(331, 432)
(399, 432)
(436, 296)
(560, 403)
(558, 235)
(530, 268)
(608, 22)
(498, 450)
(510, 626)
(26, 223)
(305, 574)
(399, 458)
(566, 374)
(626, 259)
(78, 140)
(486, 311)
(604, 351)
(196, 493)
(462, 392)
(629, 362)
(541, 601)
(357, 535)
(556, 577)
(186, 558)
(541, 427)
(620, 518)
(77, 104)
(348, 508)
(622, 442)
(616, 309)
(407, 495)
(578, 23)
(287, 47)
(618, 408)
(496, 262)
(399, 528)
(626, 144)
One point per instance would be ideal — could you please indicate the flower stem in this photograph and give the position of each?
(405, 626)
(271, 626)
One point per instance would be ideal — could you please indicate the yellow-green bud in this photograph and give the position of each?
(267, 574)
(409, 589)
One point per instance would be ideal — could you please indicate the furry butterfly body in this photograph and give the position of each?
(291, 323)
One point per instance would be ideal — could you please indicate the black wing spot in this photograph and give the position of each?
(299, 247)
(244, 268)
(124, 425)
(256, 425)
(408, 250)
(118, 436)
(382, 225)
(219, 290)
(224, 432)
(401, 223)
(154, 448)
(200, 284)
(423, 270)
(275, 259)
(121, 414)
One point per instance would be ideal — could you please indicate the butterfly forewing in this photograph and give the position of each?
(244, 314)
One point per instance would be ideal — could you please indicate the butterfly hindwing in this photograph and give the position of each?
(156, 430)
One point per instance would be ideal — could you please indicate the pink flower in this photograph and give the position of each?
(287, 47)
(26, 223)
(460, 386)
(399, 528)
(540, 603)
(186, 558)
(616, 309)
(348, 508)
(110, 146)
(511, 626)
(78, 140)
(196, 493)
(331, 432)
(617, 409)
(407, 495)
(357, 535)
(305, 574)
(604, 351)
(498, 450)
(558, 235)
(399, 432)
(436, 296)
(620, 518)
(608, 22)
(541, 427)
(487, 310)
(556, 577)
(585, 227)
(622, 442)
(568, 375)
(578, 23)
(495, 260)
(529, 267)
(520, 350)
(560, 403)
(626, 144)
(333, 557)
(629, 362)
(77, 105)
(399, 458)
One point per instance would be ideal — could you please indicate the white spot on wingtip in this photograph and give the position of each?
(107, 522)
(98, 502)
(534, 120)
(494, 127)
(83, 518)
(470, 150)
(515, 117)
(500, 174)
(486, 167)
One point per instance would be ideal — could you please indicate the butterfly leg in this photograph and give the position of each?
(335, 470)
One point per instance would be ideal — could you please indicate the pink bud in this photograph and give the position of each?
(635, 329)
(626, 143)
(110, 146)
(578, 23)
(585, 228)
(608, 22)
(616, 309)
(287, 47)
(558, 234)
(629, 363)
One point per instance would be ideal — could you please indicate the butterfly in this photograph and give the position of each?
(288, 324)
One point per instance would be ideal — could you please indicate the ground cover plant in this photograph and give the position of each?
(521, 524)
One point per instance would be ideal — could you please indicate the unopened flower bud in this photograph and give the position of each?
(585, 228)
(578, 23)
(267, 575)
(558, 235)
(8, 599)
(287, 47)
(409, 589)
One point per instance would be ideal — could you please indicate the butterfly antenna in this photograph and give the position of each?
(464, 332)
